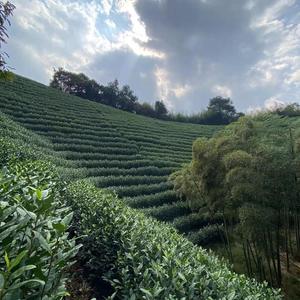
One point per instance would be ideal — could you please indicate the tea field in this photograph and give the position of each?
(130, 154)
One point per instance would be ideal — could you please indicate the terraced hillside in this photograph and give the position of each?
(130, 154)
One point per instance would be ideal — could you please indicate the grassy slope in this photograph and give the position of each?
(130, 154)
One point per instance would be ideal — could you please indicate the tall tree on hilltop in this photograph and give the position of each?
(221, 111)
(6, 10)
(75, 84)
(160, 109)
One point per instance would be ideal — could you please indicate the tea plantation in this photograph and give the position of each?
(130, 154)
(91, 150)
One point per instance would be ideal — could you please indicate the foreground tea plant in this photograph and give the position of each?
(35, 251)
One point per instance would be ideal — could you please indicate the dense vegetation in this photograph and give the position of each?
(219, 111)
(249, 173)
(35, 249)
(121, 151)
(144, 259)
(139, 256)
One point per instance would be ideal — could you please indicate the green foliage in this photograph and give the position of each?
(248, 173)
(168, 212)
(129, 154)
(290, 110)
(35, 250)
(6, 10)
(144, 259)
(207, 235)
(219, 111)
(195, 221)
(151, 200)
(160, 109)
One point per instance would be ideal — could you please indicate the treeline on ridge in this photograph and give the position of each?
(219, 111)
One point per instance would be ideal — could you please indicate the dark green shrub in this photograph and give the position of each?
(151, 200)
(207, 235)
(195, 221)
(168, 212)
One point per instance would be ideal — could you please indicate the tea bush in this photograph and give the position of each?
(144, 259)
(35, 249)
(207, 235)
(194, 221)
(168, 212)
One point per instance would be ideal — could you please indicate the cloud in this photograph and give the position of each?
(225, 47)
(222, 91)
(183, 52)
(274, 103)
(270, 104)
(127, 67)
(54, 33)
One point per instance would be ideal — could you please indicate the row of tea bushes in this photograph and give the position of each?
(130, 154)
(145, 259)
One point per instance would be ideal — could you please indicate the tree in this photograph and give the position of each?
(145, 109)
(221, 111)
(290, 110)
(126, 99)
(160, 109)
(76, 84)
(6, 10)
(110, 93)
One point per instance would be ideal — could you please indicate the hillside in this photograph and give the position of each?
(130, 154)
(47, 136)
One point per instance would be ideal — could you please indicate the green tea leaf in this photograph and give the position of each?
(20, 284)
(60, 227)
(21, 270)
(146, 292)
(44, 244)
(18, 259)
(67, 219)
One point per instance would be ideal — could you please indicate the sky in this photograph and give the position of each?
(183, 52)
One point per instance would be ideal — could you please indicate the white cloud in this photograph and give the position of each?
(182, 90)
(270, 104)
(106, 6)
(182, 60)
(110, 24)
(294, 78)
(222, 90)
(274, 103)
(56, 33)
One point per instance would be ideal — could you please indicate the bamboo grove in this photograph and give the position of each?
(249, 173)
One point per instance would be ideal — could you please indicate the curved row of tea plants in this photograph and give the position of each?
(130, 154)
(145, 259)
